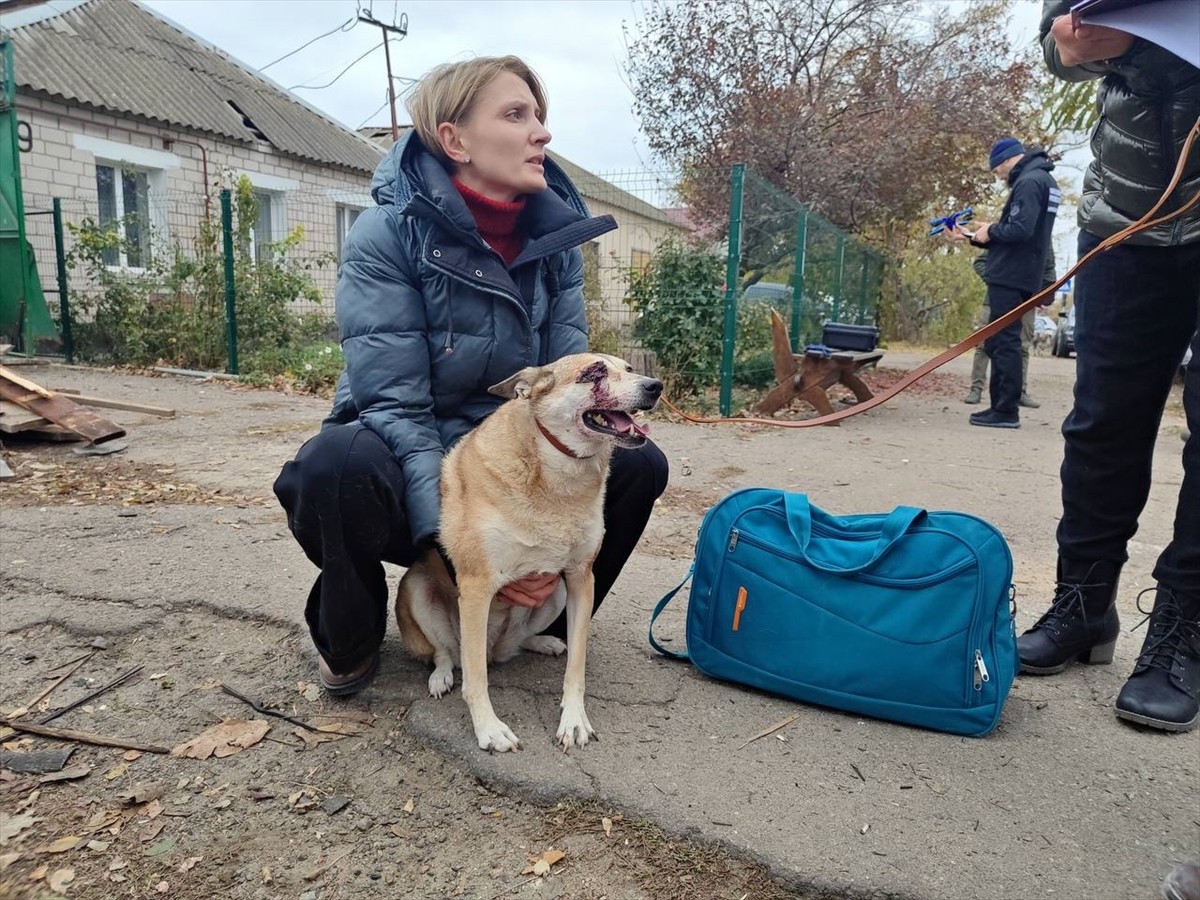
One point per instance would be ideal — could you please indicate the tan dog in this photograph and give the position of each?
(523, 493)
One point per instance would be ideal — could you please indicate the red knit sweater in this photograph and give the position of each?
(497, 221)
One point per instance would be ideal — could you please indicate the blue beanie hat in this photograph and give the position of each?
(1005, 148)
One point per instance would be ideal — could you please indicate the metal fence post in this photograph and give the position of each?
(862, 290)
(64, 303)
(798, 280)
(230, 288)
(732, 281)
(837, 277)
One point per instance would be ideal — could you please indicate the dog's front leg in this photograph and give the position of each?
(574, 729)
(474, 603)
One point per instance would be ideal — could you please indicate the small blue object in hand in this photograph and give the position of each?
(950, 222)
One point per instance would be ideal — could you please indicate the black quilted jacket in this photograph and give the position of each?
(1148, 100)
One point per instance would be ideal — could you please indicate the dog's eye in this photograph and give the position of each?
(593, 373)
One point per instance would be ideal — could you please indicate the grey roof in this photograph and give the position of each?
(119, 56)
(591, 186)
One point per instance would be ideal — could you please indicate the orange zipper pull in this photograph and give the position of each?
(741, 604)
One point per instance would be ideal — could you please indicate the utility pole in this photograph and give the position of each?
(402, 30)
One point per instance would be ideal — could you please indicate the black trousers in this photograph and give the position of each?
(1136, 310)
(1004, 349)
(344, 498)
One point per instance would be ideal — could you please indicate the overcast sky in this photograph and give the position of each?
(576, 46)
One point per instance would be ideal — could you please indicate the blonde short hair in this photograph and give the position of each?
(447, 93)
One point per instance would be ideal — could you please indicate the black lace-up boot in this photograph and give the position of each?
(1164, 689)
(1081, 624)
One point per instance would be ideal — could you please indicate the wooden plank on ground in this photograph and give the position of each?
(57, 408)
(106, 403)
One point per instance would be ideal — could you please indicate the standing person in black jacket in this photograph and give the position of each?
(1138, 305)
(1017, 246)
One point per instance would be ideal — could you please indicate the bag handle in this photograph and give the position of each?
(799, 518)
(662, 604)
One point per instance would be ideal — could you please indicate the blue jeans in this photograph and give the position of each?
(1137, 309)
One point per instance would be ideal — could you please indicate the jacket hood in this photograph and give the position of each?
(1035, 158)
(413, 180)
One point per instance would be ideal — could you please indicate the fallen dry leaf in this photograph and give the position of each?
(12, 826)
(70, 773)
(7, 859)
(266, 875)
(540, 865)
(62, 845)
(153, 809)
(141, 793)
(40, 872)
(131, 755)
(410, 805)
(162, 887)
(151, 831)
(309, 691)
(606, 824)
(230, 737)
(60, 880)
(190, 863)
(98, 846)
(115, 773)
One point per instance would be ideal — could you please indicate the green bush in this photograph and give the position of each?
(679, 304)
(173, 310)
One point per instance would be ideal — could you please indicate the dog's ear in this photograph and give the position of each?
(526, 384)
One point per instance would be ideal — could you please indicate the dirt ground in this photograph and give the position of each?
(356, 804)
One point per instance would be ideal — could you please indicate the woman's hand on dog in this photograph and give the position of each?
(532, 590)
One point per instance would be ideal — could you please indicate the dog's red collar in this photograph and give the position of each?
(556, 443)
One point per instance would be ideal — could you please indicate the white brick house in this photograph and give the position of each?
(129, 113)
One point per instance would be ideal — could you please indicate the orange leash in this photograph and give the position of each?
(993, 327)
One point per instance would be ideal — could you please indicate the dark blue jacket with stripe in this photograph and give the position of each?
(431, 317)
(1019, 242)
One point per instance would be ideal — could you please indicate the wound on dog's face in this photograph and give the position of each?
(596, 372)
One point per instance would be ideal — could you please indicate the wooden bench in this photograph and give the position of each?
(809, 375)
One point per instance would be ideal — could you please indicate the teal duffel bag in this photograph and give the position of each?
(906, 616)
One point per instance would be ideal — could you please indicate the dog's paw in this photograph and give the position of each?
(440, 682)
(495, 737)
(545, 643)
(574, 730)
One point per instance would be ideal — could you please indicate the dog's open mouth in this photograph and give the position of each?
(618, 425)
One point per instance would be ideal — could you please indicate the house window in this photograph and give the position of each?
(124, 201)
(346, 216)
(266, 228)
(639, 261)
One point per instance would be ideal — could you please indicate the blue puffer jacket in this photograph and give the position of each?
(430, 316)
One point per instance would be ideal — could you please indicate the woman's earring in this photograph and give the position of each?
(466, 160)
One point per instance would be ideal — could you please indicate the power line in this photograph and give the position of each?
(386, 100)
(319, 87)
(351, 22)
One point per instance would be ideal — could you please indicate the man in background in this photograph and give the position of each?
(1017, 246)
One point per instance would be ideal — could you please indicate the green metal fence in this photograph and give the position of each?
(679, 290)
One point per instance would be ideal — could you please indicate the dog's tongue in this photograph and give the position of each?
(624, 422)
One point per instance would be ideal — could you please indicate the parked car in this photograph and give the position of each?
(1064, 337)
(1044, 325)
